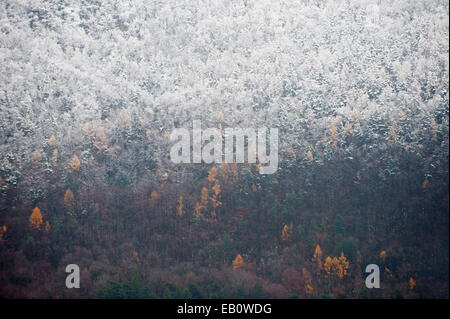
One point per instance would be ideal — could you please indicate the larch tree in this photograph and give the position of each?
(75, 164)
(411, 283)
(52, 141)
(180, 206)
(212, 175)
(238, 262)
(69, 200)
(317, 257)
(36, 219)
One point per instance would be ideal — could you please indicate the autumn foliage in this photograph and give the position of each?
(36, 219)
(75, 164)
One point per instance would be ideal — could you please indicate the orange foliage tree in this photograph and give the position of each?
(411, 283)
(180, 206)
(238, 262)
(286, 232)
(36, 219)
(317, 257)
(212, 174)
(2, 231)
(75, 164)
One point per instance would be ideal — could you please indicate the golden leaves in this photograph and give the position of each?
(2, 231)
(343, 266)
(69, 199)
(425, 183)
(135, 256)
(327, 266)
(286, 232)
(154, 197)
(47, 227)
(36, 157)
(310, 156)
(212, 175)
(411, 283)
(55, 157)
(198, 210)
(180, 206)
(317, 253)
(36, 219)
(52, 141)
(336, 266)
(334, 132)
(238, 262)
(309, 289)
(75, 164)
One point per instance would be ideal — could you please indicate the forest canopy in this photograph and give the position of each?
(91, 90)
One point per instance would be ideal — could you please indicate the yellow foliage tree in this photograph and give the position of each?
(342, 266)
(317, 253)
(154, 196)
(317, 257)
(425, 183)
(69, 199)
(334, 133)
(198, 210)
(180, 206)
(347, 127)
(286, 232)
(2, 231)
(55, 157)
(75, 164)
(47, 227)
(212, 174)
(36, 219)
(36, 157)
(309, 289)
(328, 266)
(135, 256)
(215, 198)
(238, 262)
(310, 156)
(411, 283)
(52, 141)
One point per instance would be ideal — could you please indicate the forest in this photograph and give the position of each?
(90, 91)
